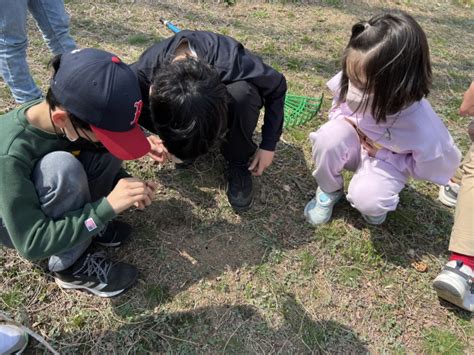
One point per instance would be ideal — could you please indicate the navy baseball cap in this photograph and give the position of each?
(101, 90)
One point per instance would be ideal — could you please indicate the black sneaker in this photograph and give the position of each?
(115, 234)
(239, 187)
(97, 274)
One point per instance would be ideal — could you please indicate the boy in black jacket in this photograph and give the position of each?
(199, 87)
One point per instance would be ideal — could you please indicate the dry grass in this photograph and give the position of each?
(262, 282)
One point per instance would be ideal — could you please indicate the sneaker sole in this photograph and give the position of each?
(70, 286)
(238, 208)
(242, 208)
(306, 215)
(446, 290)
(375, 223)
(110, 245)
(326, 220)
(445, 199)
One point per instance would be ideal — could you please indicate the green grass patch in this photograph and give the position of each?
(80, 319)
(308, 263)
(260, 14)
(157, 294)
(298, 135)
(441, 341)
(354, 288)
(13, 298)
(346, 275)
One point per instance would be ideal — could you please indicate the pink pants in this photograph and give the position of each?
(375, 185)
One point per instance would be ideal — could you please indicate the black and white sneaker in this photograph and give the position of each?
(97, 274)
(115, 234)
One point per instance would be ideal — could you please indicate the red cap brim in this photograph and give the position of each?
(129, 145)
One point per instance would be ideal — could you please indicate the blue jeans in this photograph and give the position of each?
(52, 20)
(64, 184)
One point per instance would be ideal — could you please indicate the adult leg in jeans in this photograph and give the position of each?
(53, 21)
(13, 42)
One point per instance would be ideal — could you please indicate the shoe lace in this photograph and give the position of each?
(96, 265)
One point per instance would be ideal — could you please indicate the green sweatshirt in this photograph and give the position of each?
(33, 234)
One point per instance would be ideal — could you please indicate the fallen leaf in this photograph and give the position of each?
(420, 266)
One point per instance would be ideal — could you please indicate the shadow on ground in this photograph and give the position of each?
(229, 329)
(190, 234)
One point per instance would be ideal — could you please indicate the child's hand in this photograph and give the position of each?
(142, 204)
(369, 146)
(158, 152)
(366, 143)
(131, 192)
(262, 160)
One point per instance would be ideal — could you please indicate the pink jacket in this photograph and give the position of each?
(415, 140)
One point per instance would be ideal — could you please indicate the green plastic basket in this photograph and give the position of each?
(300, 109)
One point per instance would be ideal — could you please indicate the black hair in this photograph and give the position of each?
(188, 104)
(54, 63)
(389, 58)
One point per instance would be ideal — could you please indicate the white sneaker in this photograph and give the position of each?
(319, 209)
(13, 340)
(455, 284)
(448, 194)
(375, 220)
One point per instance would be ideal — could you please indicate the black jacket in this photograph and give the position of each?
(233, 63)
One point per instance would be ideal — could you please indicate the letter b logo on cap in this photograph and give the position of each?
(138, 110)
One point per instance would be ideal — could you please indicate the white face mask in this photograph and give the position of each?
(69, 138)
(356, 100)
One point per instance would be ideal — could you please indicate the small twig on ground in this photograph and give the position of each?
(232, 335)
(178, 339)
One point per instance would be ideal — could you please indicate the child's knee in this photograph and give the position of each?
(333, 136)
(59, 161)
(59, 170)
(244, 93)
(370, 199)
